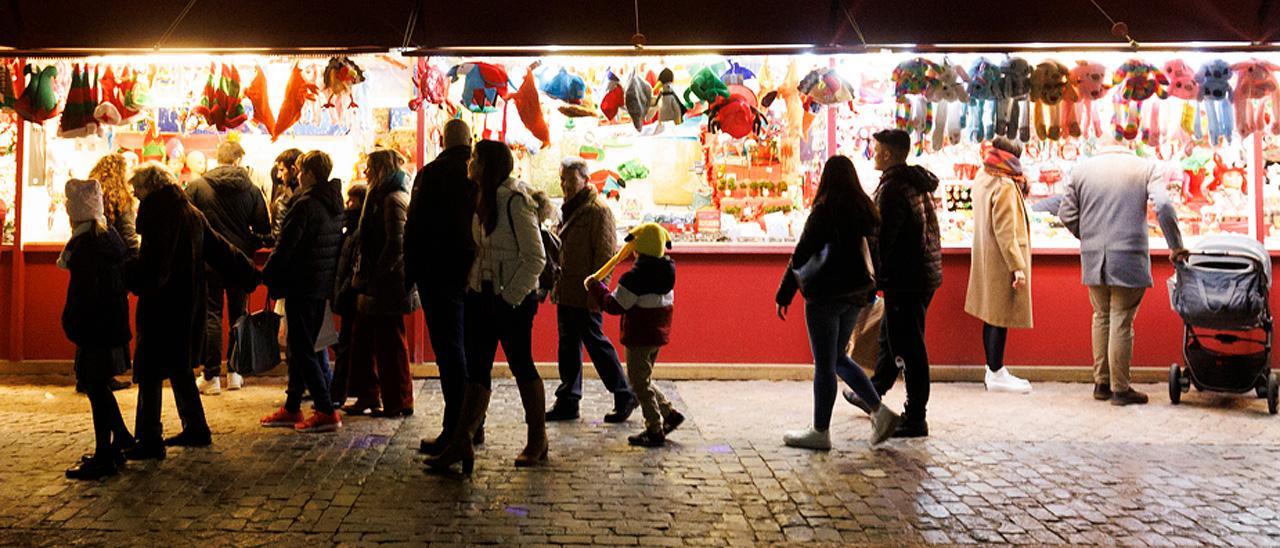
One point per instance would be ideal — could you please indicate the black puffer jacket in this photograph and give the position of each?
(844, 275)
(234, 207)
(96, 314)
(910, 246)
(304, 261)
(379, 279)
(439, 248)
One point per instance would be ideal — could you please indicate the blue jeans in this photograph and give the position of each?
(308, 369)
(443, 311)
(830, 324)
(580, 327)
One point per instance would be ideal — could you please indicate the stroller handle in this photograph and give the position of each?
(1190, 252)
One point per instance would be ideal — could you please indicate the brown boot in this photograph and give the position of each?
(533, 396)
(475, 402)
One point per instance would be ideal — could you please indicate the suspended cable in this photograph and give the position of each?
(1118, 28)
(411, 25)
(853, 23)
(174, 26)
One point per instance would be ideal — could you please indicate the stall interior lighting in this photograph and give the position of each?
(609, 50)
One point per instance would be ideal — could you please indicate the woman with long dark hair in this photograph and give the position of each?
(500, 304)
(831, 266)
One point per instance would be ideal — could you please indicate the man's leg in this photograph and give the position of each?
(305, 319)
(1124, 308)
(605, 359)
(237, 307)
(886, 372)
(147, 425)
(1100, 298)
(187, 399)
(213, 325)
(571, 322)
(905, 313)
(443, 315)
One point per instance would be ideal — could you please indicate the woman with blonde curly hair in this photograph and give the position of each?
(111, 172)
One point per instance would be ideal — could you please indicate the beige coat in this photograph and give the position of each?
(1001, 246)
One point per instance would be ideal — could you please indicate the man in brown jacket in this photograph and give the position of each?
(588, 240)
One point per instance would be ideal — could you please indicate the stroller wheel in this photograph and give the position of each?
(1273, 393)
(1175, 384)
(1261, 390)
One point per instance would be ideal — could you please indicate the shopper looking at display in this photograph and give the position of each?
(284, 180)
(1105, 206)
(500, 304)
(438, 254)
(909, 271)
(234, 207)
(832, 268)
(301, 269)
(111, 172)
(587, 240)
(999, 291)
(168, 276)
(344, 300)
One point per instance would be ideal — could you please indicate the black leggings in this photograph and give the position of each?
(993, 339)
(106, 418)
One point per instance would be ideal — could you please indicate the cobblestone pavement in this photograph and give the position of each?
(1046, 468)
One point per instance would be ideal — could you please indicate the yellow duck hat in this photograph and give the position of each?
(648, 239)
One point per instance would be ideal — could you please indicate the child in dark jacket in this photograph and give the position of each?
(96, 319)
(644, 298)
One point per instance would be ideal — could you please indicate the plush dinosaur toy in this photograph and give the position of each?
(913, 112)
(665, 100)
(297, 93)
(1089, 80)
(706, 87)
(984, 80)
(1216, 99)
(1183, 87)
(1050, 87)
(1255, 85)
(639, 96)
(1138, 81)
(257, 95)
(530, 109)
(946, 91)
(39, 101)
(1013, 119)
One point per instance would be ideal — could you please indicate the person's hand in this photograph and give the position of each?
(1019, 279)
(1179, 254)
(782, 312)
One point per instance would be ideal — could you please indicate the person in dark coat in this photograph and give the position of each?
(168, 276)
(438, 252)
(236, 210)
(96, 319)
(343, 297)
(379, 374)
(301, 270)
(111, 172)
(284, 182)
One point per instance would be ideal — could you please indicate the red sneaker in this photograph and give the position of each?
(319, 422)
(281, 419)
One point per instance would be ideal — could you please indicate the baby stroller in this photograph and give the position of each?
(1221, 292)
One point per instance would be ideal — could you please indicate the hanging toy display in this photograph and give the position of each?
(1050, 88)
(564, 86)
(639, 96)
(1184, 89)
(39, 101)
(221, 104)
(1089, 82)
(340, 77)
(483, 84)
(257, 95)
(914, 113)
(1138, 81)
(984, 82)
(612, 98)
(737, 117)
(122, 98)
(152, 147)
(1013, 117)
(947, 94)
(529, 108)
(297, 93)
(1216, 99)
(432, 87)
(82, 97)
(665, 101)
(706, 87)
(1256, 87)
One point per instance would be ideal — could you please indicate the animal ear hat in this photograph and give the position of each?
(648, 239)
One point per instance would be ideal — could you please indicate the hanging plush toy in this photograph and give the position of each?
(1183, 87)
(530, 109)
(1138, 81)
(738, 116)
(432, 87)
(914, 113)
(1216, 99)
(665, 100)
(221, 104)
(613, 97)
(639, 96)
(122, 98)
(82, 97)
(564, 86)
(340, 77)
(39, 101)
(1255, 86)
(946, 92)
(706, 87)
(297, 93)
(984, 79)
(1013, 119)
(482, 86)
(257, 95)
(736, 74)
(1089, 81)
(1050, 87)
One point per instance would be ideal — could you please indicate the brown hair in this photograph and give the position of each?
(318, 164)
(117, 198)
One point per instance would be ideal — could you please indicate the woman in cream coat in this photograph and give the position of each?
(1000, 268)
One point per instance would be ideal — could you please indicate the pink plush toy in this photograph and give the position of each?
(1256, 81)
(1183, 85)
(1090, 82)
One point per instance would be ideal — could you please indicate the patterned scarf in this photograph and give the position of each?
(1003, 164)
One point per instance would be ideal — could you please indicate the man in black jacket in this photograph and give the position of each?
(438, 254)
(237, 211)
(301, 270)
(909, 272)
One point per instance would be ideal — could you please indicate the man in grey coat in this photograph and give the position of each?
(1105, 206)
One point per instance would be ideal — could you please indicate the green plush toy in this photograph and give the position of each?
(707, 87)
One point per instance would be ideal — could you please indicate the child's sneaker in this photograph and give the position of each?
(319, 422)
(648, 438)
(235, 381)
(672, 421)
(281, 419)
(209, 387)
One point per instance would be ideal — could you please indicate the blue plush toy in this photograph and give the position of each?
(1216, 96)
(566, 87)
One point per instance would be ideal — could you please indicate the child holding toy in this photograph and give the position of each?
(644, 298)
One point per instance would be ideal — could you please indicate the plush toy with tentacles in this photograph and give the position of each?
(984, 80)
(1050, 87)
(1089, 83)
(1255, 86)
(1216, 98)
(1138, 81)
(432, 87)
(913, 112)
(946, 91)
(1014, 112)
(1184, 89)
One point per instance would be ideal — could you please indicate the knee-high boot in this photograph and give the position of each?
(533, 396)
(475, 403)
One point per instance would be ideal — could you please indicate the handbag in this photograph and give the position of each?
(813, 268)
(864, 345)
(257, 348)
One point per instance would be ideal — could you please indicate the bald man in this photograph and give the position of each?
(438, 252)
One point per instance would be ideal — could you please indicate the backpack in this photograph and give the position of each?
(550, 275)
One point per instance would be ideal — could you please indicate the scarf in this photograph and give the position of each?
(583, 197)
(1003, 164)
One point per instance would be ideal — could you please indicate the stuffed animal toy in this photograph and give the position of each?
(736, 74)
(82, 98)
(665, 100)
(340, 77)
(984, 82)
(1089, 82)
(648, 239)
(1216, 100)
(1049, 89)
(1013, 116)
(220, 103)
(826, 87)
(297, 93)
(482, 86)
(707, 87)
(1138, 81)
(39, 101)
(1256, 84)
(530, 109)
(432, 87)
(738, 117)
(637, 98)
(1183, 86)
(257, 95)
(120, 98)
(566, 87)
(946, 91)
(613, 97)
(913, 112)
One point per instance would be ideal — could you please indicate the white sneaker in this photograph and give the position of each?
(209, 387)
(808, 438)
(235, 381)
(1004, 381)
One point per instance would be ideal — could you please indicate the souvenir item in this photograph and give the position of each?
(1089, 82)
(221, 104)
(297, 93)
(38, 101)
(613, 97)
(665, 100)
(431, 85)
(340, 77)
(737, 117)
(984, 82)
(1216, 98)
(1049, 89)
(706, 87)
(1255, 87)
(530, 109)
(483, 84)
(82, 98)
(1183, 88)
(911, 79)
(947, 93)
(639, 95)
(257, 95)
(1138, 81)
(121, 98)
(1013, 116)
(564, 86)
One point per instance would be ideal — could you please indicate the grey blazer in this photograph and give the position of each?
(1105, 206)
